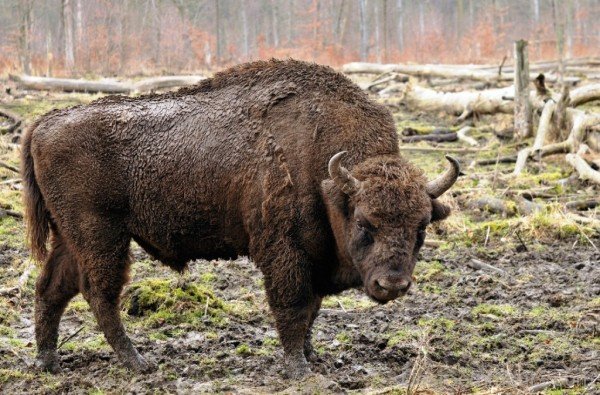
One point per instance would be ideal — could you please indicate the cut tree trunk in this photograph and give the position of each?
(544, 126)
(103, 86)
(523, 124)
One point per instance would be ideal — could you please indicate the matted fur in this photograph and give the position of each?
(236, 165)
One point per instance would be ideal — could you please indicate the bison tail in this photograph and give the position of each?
(36, 214)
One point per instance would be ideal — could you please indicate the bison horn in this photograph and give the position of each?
(441, 184)
(341, 176)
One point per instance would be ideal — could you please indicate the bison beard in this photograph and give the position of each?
(246, 163)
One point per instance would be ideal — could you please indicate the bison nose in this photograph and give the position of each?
(386, 288)
(394, 284)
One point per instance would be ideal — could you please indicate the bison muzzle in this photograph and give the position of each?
(286, 162)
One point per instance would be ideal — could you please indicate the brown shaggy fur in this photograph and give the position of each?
(236, 165)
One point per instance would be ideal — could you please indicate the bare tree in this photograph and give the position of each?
(26, 11)
(69, 45)
(364, 37)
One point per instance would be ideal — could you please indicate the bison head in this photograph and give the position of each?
(379, 213)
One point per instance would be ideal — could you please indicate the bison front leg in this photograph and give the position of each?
(309, 351)
(292, 303)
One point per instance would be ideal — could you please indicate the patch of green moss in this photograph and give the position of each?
(402, 336)
(348, 302)
(343, 337)
(7, 313)
(419, 126)
(208, 277)
(579, 390)
(498, 310)
(429, 271)
(93, 343)
(162, 301)
(243, 349)
(436, 324)
(7, 375)
(12, 232)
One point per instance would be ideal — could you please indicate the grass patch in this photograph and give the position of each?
(349, 302)
(497, 310)
(162, 301)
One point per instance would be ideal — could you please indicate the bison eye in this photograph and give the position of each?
(365, 238)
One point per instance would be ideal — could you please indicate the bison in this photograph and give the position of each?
(286, 162)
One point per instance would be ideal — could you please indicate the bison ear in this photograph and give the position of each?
(439, 211)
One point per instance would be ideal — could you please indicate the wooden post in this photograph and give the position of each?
(523, 127)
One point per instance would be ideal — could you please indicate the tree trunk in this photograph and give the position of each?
(559, 29)
(523, 115)
(67, 15)
(26, 11)
(400, 31)
(364, 38)
(218, 31)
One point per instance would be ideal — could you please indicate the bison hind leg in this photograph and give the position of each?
(105, 267)
(56, 285)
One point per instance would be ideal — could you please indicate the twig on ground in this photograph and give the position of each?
(582, 205)
(499, 159)
(477, 264)
(341, 305)
(72, 335)
(552, 383)
(9, 167)
(444, 149)
(21, 282)
(462, 136)
(206, 307)
(10, 213)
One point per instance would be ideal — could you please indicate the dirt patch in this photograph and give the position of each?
(468, 329)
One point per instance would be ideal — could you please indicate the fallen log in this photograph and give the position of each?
(584, 170)
(103, 86)
(582, 205)
(425, 70)
(584, 94)
(580, 121)
(489, 101)
(69, 85)
(440, 71)
(166, 82)
(492, 205)
(433, 137)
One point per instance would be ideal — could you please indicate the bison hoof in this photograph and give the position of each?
(296, 367)
(48, 362)
(139, 364)
(309, 353)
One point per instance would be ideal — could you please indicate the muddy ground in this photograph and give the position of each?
(531, 318)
